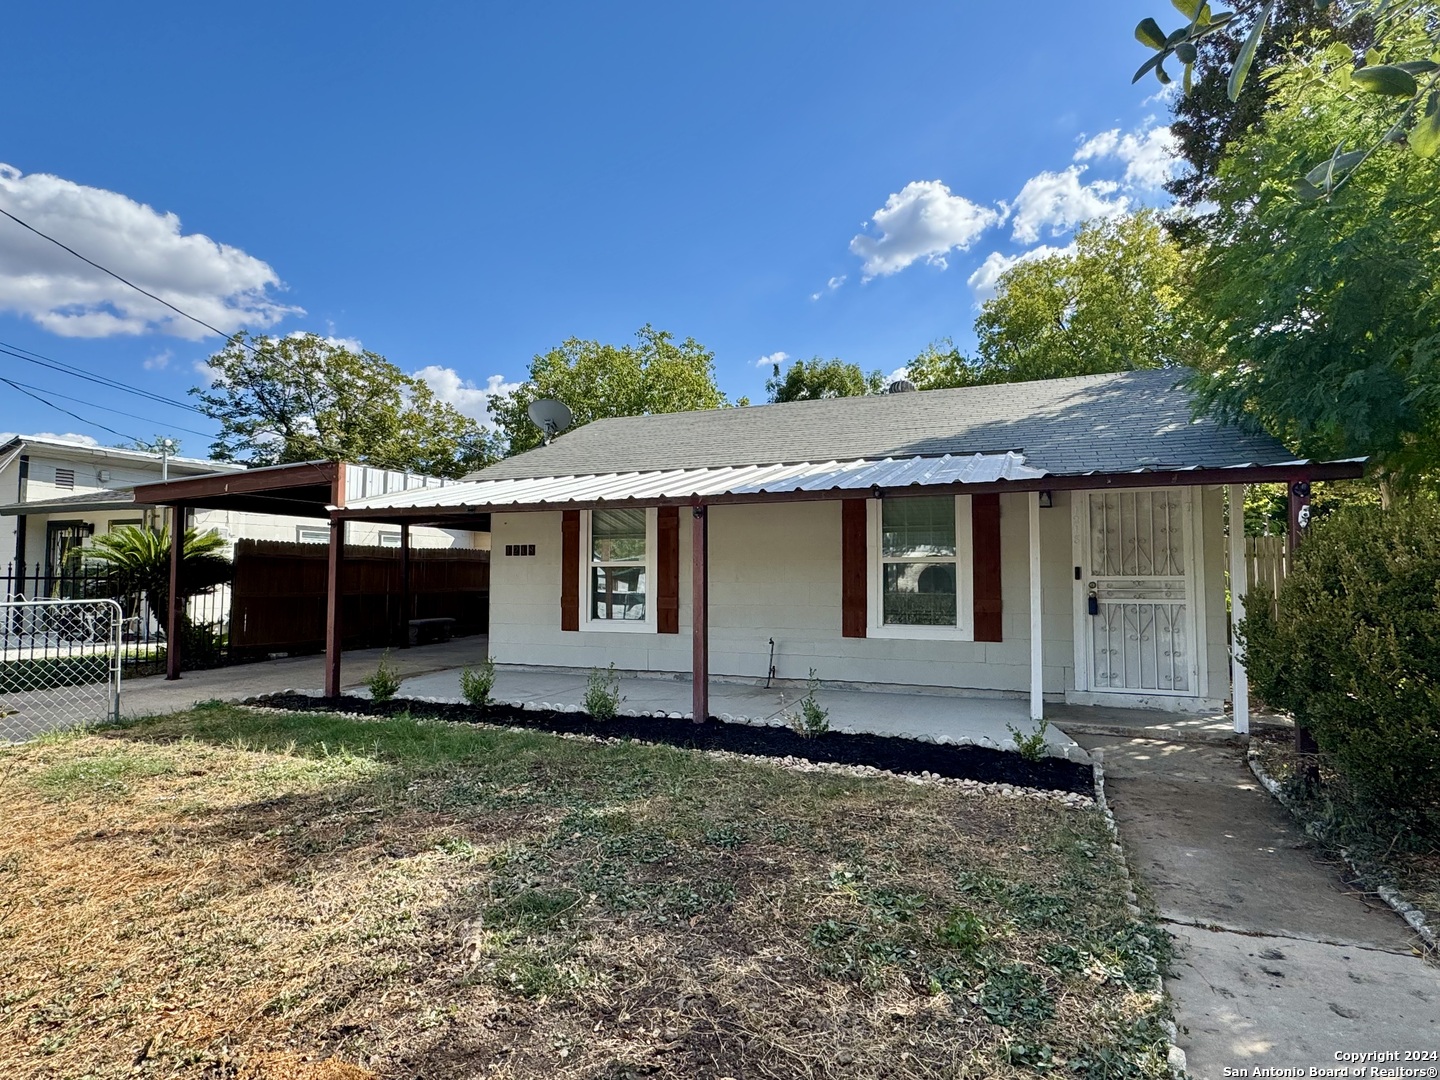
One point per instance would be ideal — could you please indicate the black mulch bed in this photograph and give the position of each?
(881, 751)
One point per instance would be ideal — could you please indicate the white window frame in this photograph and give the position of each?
(387, 539)
(301, 530)
(648, 625)
(964, 630)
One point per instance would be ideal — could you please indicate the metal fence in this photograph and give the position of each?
(142, 624)
(59, 665)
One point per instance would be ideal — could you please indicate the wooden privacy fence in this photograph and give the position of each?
(1267, 561)
(278, 594)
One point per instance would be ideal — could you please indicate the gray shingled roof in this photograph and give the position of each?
(1093, 423)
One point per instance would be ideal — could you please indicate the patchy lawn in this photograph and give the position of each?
(231, 893)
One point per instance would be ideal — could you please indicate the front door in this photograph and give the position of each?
(1138, 618)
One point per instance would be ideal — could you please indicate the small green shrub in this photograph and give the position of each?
(812, 719)
(1352, 651)
(1032, 746)
(384, 681)
(602, 693)
(476, 683)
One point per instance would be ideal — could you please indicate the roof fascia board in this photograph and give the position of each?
(247, 482)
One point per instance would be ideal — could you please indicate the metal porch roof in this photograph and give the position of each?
(700, 482)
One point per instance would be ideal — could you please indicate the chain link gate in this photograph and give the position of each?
(59, 665)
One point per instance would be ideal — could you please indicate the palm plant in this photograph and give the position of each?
(135, 562)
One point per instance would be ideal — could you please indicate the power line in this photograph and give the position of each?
(107, 408)
(67, 412)
(68, 369)
(117, 277)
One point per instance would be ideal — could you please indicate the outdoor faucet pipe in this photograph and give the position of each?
(771, 674)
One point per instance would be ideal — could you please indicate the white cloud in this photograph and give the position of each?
(921, 221)
(765, 363)
(69, 436)
(985, 277)
(158, 361)
(215, 282)
(1151, 155)
(467, 398)
(1060, 201)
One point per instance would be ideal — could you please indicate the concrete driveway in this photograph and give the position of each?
(1283, 963)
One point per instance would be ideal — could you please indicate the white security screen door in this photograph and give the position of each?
(1139, 597)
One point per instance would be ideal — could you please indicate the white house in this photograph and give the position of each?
(1064, 540)
(56, 494)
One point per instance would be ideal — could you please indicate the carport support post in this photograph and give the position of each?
(405, 585)
(700, 586)
(1037, 627)
(1239, 585)
(333, 608)
(176, 601)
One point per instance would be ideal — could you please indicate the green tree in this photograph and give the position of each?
(1115, 302)
(810, 380)
(303, 398)
(941, 366)
(596, 381)
(1325, 319)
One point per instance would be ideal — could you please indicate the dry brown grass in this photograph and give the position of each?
(233, 894)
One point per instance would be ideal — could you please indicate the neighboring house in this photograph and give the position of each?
(1064, 539)
(55, 495)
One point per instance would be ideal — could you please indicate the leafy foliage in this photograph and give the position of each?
(384, 682)
(1116, 301)
(812, 719)
(598, 381)
(810, 380)
(602, 693)
(305, 398)
(1325, 321)
(477, 683)
(1354, 653)
(135, 562)
(1032, 746)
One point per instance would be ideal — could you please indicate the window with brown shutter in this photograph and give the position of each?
(667, 570)
(985, 545)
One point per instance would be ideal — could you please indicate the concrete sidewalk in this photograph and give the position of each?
(1282, 963)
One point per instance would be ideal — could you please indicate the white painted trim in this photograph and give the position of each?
(964, 630)
(1037, 621)
(1079, 608)
(649, 624)
(1239, 588)
(1195, 585)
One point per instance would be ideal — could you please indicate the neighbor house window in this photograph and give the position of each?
(920, 567)
(390, 539)
(312, 534)
(620, 572)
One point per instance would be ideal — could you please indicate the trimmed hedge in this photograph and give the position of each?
(1354, 653)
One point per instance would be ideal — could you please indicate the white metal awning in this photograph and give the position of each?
(887, 473)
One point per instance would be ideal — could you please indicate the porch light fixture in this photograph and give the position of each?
(1047, 499)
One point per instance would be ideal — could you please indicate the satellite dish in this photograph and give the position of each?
(550, 416)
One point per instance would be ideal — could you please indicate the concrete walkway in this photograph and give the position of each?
(1282, 963)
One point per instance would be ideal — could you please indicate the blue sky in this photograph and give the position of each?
(461, 186)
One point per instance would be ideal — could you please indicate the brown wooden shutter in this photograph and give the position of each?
(667, 569)
(853, 584)
(570, 570)
(985, 547)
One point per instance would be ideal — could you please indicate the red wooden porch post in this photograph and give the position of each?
(405, 612)
(700, 587)
(333, 608)
(1297, 500)
(173, 621)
